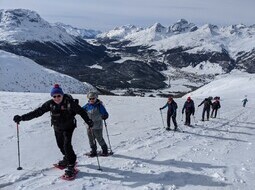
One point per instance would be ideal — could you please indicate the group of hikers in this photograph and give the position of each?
(63, 108)
(189, 109)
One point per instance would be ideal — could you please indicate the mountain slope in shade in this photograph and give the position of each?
(21, 74)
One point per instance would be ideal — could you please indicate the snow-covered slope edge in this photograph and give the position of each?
(20, 74)
(234, 85)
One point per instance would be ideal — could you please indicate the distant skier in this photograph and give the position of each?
(245, 100)
(62, 108)
(207, 106)
(97, 112)
(215, 106)
(171, 112)
(189, 108)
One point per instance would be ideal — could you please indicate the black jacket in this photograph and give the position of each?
(216, 104)
(207, 103)
(189, 107)
(62, 115)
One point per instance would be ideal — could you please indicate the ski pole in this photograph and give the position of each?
(95, 142)
(108, 137)
(194, 119)
(19, 168)
(182, 117)
(162, 119)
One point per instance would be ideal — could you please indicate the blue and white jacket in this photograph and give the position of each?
(96, 113)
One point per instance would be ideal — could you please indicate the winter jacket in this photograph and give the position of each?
(216, 104)
(172, 107)
(62, 115)
(207, 103)
(189, 107)
(96, 112)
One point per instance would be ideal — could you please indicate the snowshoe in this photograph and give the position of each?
(70, 173)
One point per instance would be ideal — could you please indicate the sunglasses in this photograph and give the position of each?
(91, 98)
(56, 96)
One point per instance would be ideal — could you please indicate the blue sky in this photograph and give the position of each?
(107, 14)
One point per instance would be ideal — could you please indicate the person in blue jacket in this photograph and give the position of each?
(97, 113)
(171, 112)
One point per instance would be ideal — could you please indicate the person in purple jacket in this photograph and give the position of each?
(97, 113)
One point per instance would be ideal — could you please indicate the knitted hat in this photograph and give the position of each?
(56, 90)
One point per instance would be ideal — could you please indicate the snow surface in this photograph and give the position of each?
(216, 154)
(20, 74)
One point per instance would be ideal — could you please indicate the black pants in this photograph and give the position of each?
(207, 110)
(215, 114)
(187, 120)
(169, 116)
(64, 142)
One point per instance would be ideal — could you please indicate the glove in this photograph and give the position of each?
(182, 112)
(90, 123)
(160, 108)
(104, 117)
(17, 118)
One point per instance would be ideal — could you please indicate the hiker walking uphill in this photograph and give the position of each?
(245, 100)
(215, 106)
(189, 108)
(63, 109)
(171, 112)
(97, 113)
(207, 106)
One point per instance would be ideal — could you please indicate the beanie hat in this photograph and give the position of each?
(92, 95)
(189, 98)
(56, 90)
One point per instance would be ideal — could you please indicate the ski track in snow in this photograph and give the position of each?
(146, 155)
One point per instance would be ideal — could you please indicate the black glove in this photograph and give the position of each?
(17, 118)
(90, 123)
(160, 108)
(182, 112)
(104, 117)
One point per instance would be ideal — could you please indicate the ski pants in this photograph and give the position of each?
(169, 116)
(95, 134)
(214, 110)
(64, 142)
(207, 110)
(187, 120)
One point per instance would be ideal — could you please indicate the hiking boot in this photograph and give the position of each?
(70, 171)
(168, 129)
(104, 150)
(63, 163)
(92, 153)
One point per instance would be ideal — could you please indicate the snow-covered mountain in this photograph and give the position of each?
(24, 32)
(216, 155)
(20, 74)
(78, 32)
(19, 25)
(234, 38)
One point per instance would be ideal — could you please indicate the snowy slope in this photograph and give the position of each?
(218, 154)
(235, 85)
(21, 74)
(21, 25)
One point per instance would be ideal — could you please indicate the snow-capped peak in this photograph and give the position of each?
(21, 25)
(182, 25)
(157, 27)
(120, 32)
